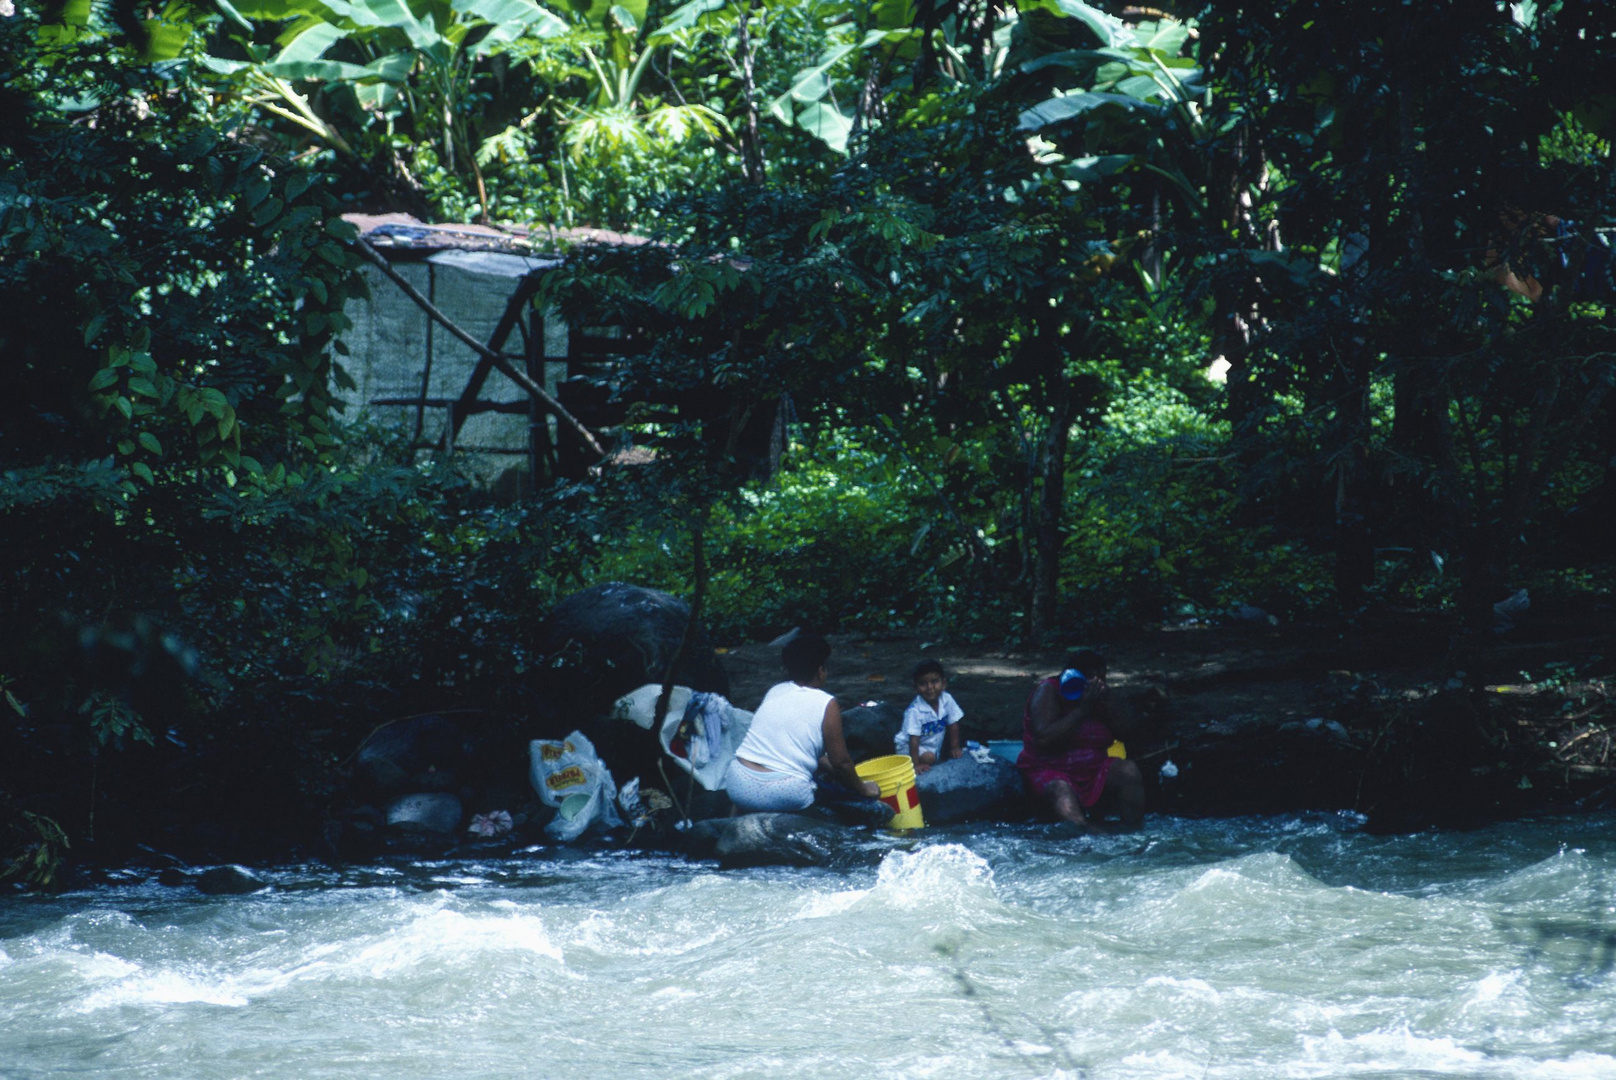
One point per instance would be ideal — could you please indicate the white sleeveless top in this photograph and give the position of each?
(788, 730)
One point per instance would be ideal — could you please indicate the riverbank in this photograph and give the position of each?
(1258, 716)
(1246, 716)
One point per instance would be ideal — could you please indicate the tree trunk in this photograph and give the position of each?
(1354, 546)
(752, 163)
(1050, 535)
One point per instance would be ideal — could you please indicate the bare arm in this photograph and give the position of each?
(951, 743)
(836, 755)
(1053, 717)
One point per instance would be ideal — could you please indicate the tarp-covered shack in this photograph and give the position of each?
(412, 374)
(416, 375)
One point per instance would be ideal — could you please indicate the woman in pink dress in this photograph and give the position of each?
(1065, 735)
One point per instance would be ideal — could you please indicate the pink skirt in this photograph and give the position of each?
(1084, 768)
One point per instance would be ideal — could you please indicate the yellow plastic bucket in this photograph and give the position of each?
(895, 775)
(1116, 749)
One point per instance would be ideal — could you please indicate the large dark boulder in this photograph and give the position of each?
(598, 644)
(417, 753)
(965, 789)
(601, 643)
(870, 729)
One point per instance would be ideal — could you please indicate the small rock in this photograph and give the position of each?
(699, 840)
(229, 881)
(1506, 610)
(1251, 613)
(434, 811)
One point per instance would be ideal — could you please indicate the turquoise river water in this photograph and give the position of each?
(1249, 948)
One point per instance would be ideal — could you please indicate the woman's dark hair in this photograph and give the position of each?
(1088, 661)
(804, 655)
(928, 667)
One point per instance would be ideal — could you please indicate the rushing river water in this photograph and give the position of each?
(1273, 947)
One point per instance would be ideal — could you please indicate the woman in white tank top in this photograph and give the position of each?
(796, 730)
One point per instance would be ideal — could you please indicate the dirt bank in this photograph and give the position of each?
(1256, 717)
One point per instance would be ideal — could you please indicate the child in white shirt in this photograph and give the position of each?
(931, 720)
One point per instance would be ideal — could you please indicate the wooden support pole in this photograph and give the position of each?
(505, 367)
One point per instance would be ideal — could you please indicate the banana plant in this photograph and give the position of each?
(413, 62)
(616, 117)
(1135, 94)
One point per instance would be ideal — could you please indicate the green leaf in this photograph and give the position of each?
(225, 67)
(163, 40)
(512, 19)
(213, 401)
(92, 329)
(1060, 109)
(1112, 31)
(685, 17)
(229, 11)
(271, 10)
(142, 470)
(316, 71)
(394, 67)
(1166, 37)
(149, 441)
(310, 44)
(625, 18)
(1090, 169)
(103, 379)
(1142, 87)
(893, 14)
(828, 123)
(812, 83)
(596, 11)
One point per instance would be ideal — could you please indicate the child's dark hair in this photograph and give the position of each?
(928, 667)
(804, 655)
(1088, 661)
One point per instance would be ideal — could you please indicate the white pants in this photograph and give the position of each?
(753, 792)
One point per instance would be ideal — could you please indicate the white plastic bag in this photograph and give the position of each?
(702, 737)
(640, 705)
(569, 776)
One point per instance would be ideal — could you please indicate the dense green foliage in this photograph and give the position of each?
(991, 260)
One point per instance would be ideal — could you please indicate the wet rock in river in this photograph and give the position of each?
(429, 811)
(965, 789)
(229, 881)
(783, 840)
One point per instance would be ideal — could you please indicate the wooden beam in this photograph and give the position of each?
(496, 344)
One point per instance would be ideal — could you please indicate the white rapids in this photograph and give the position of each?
(1295, 947)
